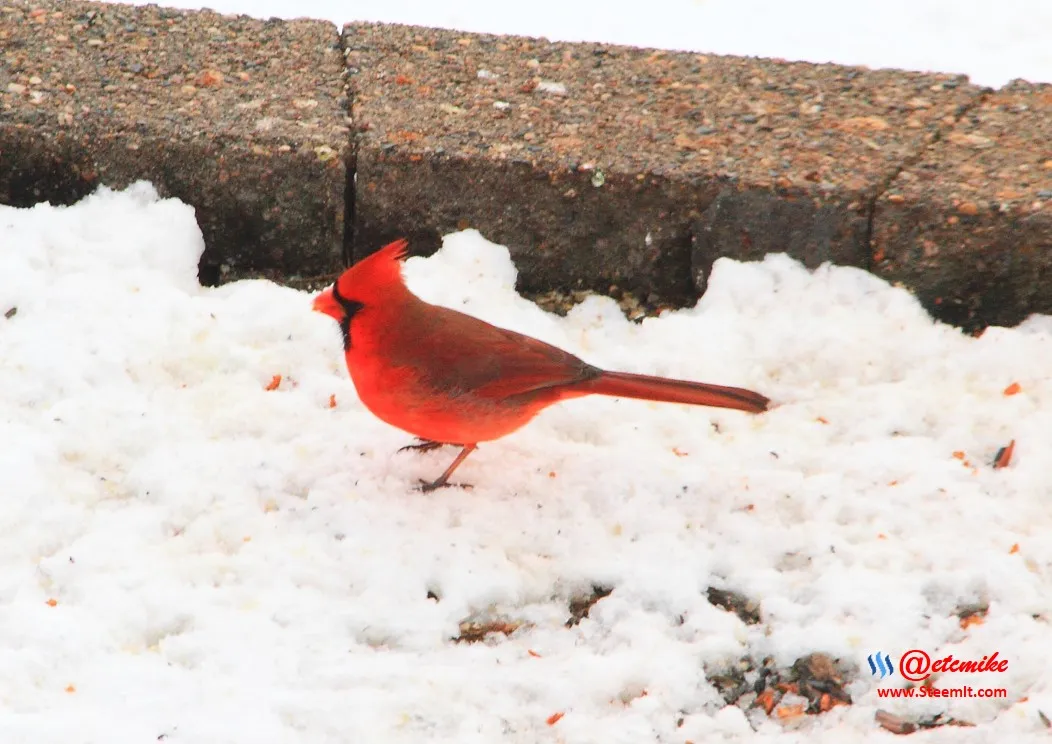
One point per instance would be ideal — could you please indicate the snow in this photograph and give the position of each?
(190, 557)
(991, 44)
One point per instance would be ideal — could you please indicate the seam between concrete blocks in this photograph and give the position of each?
(350, 193)
(910, 160)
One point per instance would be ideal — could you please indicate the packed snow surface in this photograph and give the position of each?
(189, 556)
(990, 44)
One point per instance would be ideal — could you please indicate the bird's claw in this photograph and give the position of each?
(425, 445)
(429, 486)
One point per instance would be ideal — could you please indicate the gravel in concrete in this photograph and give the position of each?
(243, 118)
(968, 225)
(602, 165)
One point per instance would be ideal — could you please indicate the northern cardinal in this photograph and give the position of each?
(450, 378)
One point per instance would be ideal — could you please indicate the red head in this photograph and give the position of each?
(368, 282)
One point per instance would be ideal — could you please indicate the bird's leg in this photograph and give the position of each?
(443, 480)
(424, 445)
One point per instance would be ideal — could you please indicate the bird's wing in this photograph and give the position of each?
(465, 355)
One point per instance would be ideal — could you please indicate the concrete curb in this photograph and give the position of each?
(244, 119)
(967, 223)
(596, 165)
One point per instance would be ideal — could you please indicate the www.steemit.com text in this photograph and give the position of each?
(966, 691)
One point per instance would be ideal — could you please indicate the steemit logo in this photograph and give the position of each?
(880, 664)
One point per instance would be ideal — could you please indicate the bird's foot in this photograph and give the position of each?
(429, 486)
(424, 445)
(443, 480)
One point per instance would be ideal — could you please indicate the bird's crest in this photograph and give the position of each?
(369, 278)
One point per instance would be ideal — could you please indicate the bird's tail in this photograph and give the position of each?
(646, 387)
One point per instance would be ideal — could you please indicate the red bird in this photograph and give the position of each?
(450, 378)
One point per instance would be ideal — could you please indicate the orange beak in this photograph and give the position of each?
(326, 303)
